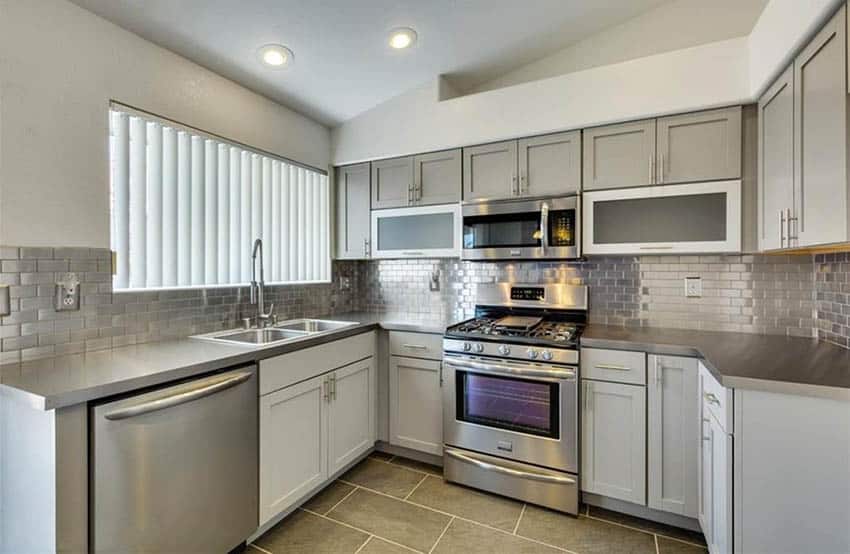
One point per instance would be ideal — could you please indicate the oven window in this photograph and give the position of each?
(508, 403)
(515, 230)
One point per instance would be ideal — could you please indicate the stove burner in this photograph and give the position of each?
(558, 332)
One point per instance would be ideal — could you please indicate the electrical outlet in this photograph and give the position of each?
(67, 295)
(345, 283)
(693, 287)
(434, 283)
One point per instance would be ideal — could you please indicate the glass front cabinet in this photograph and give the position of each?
(691, 218)
(425, 232)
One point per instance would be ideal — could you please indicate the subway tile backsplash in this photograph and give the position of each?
(804, 295)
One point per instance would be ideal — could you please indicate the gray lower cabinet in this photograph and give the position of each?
(699, 146)
(621, 155)
(673, 434)
(776, 162)
(416, 404)
(490, 171)
(351, 413)
(715, 494)
(352, 212)
(436, 178)
(820, 143)
(613, 440)
(550, 165)
(392, 183)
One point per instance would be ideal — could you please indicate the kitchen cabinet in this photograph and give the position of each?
(351, 413)
(419, 232)
(352, 212)
(293, 445)
(416, 405)
(550, 165)
(820, 141)
(614, 440)
(436, 178)
(490, 171)
(673, 434)
(776, 161)
(621, 155)
(715, 464)
(392, 183)
(699, 146)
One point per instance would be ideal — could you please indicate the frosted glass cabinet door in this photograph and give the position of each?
(427, 231)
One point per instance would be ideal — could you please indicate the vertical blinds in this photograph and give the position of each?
(187, 207)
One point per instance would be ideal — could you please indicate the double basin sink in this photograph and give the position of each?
(285, 331)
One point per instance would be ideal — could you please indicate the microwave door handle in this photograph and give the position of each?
(544, 227)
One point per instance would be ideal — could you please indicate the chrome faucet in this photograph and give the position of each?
(263, 317)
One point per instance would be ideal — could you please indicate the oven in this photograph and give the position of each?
(545, 228)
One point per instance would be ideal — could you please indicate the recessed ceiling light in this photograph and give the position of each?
(402, 37)
(275, 56)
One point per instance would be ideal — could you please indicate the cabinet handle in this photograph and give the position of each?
(410, 194)
(656, 248)
(415, 346)
(781, 228)
(658, 370)
(417, 192)
(523, 184)
(412, 254)
(588, 396)
(441, 375)
(365, 248)
(661, 169)
(325, 389)
(332, 386)
(651, 169)
(711, 398)
(614, 367)
(789, 218)
(514, 186)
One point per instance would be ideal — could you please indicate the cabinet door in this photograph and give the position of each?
(436, 177)
(351, 424)
(701, 146)
(490, 171)
(352, 212)
(293, 439)
(617, 156)
(706, 457)
(776, 161)
(392, 183)
(416, 404)
(550, 164)
(719, 537)
(673, 433)
(820, 168)
(614, 440)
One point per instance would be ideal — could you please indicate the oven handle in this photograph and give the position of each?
(523, 371)
(544, 227)
(507, 470)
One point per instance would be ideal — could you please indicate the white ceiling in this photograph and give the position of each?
(343, 65)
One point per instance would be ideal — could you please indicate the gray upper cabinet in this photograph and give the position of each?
(700, 146)
(820, 145)
(550, 164)
(490, 171)
(436, 178)
(620, 155)
(392, 183)
(352, 212)
(776, 161)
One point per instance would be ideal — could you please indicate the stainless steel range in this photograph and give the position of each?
(510, 397)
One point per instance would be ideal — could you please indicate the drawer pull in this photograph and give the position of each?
(711, 398)
(614, 367)
(415, 346)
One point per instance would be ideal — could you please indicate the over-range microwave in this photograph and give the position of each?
(530, 229)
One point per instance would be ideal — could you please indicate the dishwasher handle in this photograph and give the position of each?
(181, 397)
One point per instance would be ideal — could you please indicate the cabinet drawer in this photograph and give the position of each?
(416, 345)
(716, 399)
(288, 369)
(619, 366)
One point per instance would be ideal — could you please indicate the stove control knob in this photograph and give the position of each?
(467, 347)
(547, 355)
(531, 353)
(479, 348)
(504, 349)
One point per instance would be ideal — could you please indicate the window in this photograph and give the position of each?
(187, 207)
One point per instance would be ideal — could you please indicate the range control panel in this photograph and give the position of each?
(528, 293)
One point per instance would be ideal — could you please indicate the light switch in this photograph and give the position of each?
(693, 287)
(67, 295)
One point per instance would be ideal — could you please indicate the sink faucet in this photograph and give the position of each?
(263, 317)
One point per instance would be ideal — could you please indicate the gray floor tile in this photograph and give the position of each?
(418, 466)
(382, 477)
(308, 533)
(325, 500)
(378, 455)
(380, 546)
(651, 526)
(392, 519)
(482, 507)
(469, 538)
(670, 546)
(581, 534)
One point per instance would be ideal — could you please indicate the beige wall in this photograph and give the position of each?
(59, 67)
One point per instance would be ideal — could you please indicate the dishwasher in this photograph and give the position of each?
(175, 469)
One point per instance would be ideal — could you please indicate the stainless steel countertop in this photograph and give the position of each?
(53, 383)
(768, 363)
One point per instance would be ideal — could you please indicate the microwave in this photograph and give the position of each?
(542, 228)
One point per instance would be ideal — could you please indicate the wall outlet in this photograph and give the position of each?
(345, 283)
(67, 295)
(434, 283)
(693, 287)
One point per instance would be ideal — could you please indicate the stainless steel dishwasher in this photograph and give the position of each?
(175, 469)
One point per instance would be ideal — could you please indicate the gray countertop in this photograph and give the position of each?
(739, 360)
(68, 380)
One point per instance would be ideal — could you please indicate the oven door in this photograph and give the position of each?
(522, 229)
(525, 412)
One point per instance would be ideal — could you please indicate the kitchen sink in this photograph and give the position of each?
(260, 336)
(313, 325)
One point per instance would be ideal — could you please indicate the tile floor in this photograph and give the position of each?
(387, 505)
